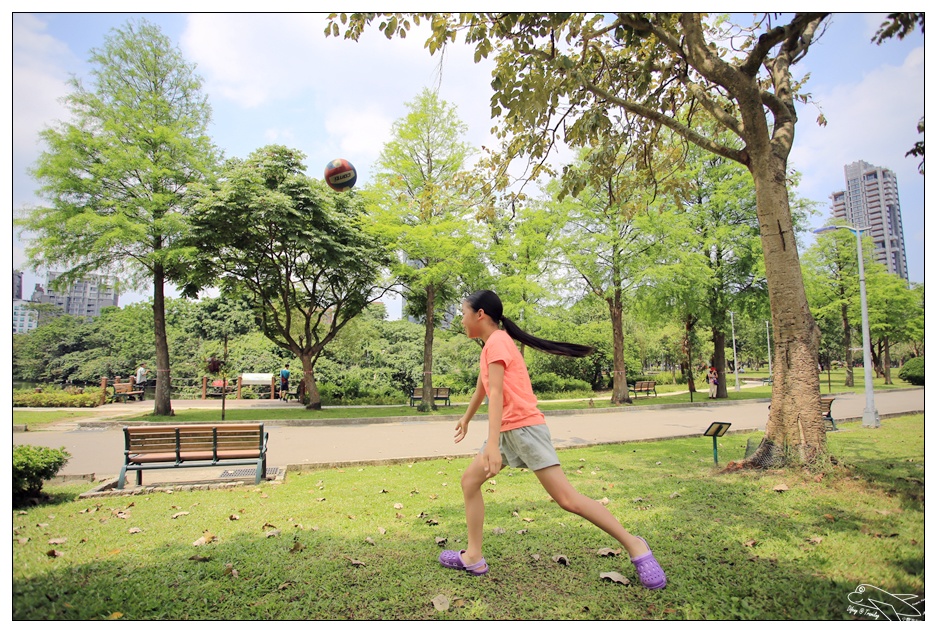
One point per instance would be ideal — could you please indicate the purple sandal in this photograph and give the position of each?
(648, 569)
(453, 559)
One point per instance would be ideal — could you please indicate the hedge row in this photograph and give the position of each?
(56, 399)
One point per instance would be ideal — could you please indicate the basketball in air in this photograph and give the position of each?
(340, 174)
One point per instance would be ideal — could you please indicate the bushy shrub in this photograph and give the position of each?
(33, 465)
(56, 399)
(550, 383)
(912, 371)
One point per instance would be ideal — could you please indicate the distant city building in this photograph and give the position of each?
(17, 285)
(83, 299)
(870, 199)
(24, 318)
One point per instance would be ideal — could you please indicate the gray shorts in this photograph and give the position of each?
(530, 447)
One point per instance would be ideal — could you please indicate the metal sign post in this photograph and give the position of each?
(716, 430)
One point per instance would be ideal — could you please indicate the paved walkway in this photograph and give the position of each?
(98, 451)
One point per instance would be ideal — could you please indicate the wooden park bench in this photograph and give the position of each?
(643, 387)
(826, 403)
(124, 391)
(440, 394)
(193, 445)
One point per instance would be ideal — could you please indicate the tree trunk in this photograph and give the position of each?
(849, 356)
(718, 337)
(795, 429)
(619, 392)
(428, 403)
(308, 378)
(163, 403)
(887, 361)
(687, 349)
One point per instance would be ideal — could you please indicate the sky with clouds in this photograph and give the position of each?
(275, 78)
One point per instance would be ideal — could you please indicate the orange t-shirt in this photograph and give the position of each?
(519, 401)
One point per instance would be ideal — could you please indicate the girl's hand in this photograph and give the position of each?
(491, 459)
(461, 429)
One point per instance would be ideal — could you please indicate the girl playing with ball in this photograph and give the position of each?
(518, 437)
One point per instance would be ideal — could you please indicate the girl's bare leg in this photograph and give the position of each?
(560, 489)
(471, 482)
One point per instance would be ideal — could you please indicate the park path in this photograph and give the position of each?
(98, 451)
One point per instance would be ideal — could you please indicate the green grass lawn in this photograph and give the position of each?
(361, 543)
(39, 419)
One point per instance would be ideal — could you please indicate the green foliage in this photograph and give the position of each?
(32, 465)
(56, 399)
(912, 371)
(552, 383)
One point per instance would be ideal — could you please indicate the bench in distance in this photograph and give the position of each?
(193, 445)
(643, 387)
(440, 394)
(124, 391)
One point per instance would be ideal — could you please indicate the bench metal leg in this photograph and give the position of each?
(123, 477)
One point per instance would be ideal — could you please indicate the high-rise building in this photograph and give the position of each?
(24, 318)
(870, 199)
(83, 299)
(17, 285)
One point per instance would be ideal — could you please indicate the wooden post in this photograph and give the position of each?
(204, 387)
(103, 390)
(273, 387)
(239, 379)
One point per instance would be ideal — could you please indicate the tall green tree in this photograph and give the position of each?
(297, 250)
(114, 175)
(573, 76)
(423, 213)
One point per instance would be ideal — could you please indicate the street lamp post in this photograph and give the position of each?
(870, 417)
(734, 350)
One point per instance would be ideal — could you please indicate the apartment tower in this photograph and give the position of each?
(870, 199)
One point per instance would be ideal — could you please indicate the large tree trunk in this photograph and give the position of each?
(795, 430)
(163, 403)
(308, 379)
(687, 349)
(428, 403)
(619, 392)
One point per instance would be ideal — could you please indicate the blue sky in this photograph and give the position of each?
(275, 78)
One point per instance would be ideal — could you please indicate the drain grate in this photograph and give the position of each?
(271, 472)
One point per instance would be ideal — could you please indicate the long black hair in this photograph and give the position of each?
(492, 306)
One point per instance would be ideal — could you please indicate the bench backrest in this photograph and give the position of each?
(645, 384)
(123, 387)
(441, 391)
(194, 437)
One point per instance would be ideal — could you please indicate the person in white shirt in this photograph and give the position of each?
(141, 374)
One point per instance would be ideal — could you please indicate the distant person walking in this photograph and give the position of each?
(517, 436)
(284, 382)
(712, 383)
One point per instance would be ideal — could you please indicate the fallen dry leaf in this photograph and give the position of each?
(781, 488)
(233, 517)
(355, 562)
(23, 540)
(199, 558)
(297, 547)
(441, 541)
(440, 603)
(751, 543)
(179, 514)
(617, 578)
(381, 530)
(370, 540)
(829, 517)
(815, 540)
(206, 538)
(54, 553)
(230, 570)
(536, 557)
(606, 552)
(267, 524)
(58, 540)
(498, 531)
(560, 559)
(398, 505)
(134, 530)
(432, 521)
(522, 531)
(604, 501)
(114, 616)
(272, 533)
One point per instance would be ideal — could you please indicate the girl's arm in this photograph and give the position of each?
(461, 428)
(491, 457)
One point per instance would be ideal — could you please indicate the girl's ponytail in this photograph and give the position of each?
(492, 306)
